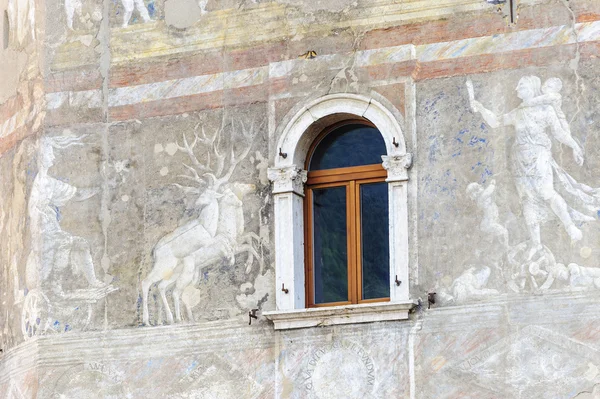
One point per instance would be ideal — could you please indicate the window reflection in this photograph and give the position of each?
(375, 240)
(330, 245)
(349, 145)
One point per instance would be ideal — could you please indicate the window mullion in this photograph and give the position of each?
(352, 294)
(358, 244)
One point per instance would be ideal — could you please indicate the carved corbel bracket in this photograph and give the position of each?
(287, 179)
(397, 166)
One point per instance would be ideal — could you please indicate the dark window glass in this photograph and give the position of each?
(330, 246)
(349, 145)
(375, 240)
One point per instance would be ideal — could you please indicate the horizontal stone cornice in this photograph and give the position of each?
(140, 343)
(153, 342)
(19, 360)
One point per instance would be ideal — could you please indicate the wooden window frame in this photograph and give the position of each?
(352, 178)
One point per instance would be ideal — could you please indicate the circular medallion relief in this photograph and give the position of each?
(342, 370)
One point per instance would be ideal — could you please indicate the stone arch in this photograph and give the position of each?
(303, 127)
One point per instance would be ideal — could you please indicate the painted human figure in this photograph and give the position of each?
(534, 165)
(470, 285)
(73, 7)
(551, 96)
(52, 247)
(553, 272)
(21, 14)
(484, 198)
(581, 276)
(129, 5)
(203, 3)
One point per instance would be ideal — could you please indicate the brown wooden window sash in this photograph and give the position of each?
(352, 178)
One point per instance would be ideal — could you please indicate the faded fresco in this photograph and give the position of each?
(181, 257)
(536, 207)
(57, 256)
(138, 219)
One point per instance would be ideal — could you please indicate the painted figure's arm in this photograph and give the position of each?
(544, 99)
(84, 193)
(488, 116)
(491, 119)
(57, 192)
(564, 136)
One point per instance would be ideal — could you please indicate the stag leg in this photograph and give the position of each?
(176, 303)
(146, 284)
(247, 237)
(188, 309)
(249, 262)
(162, 288)
(251, 255)
(163, 264)
(188, 312)
(185, 278)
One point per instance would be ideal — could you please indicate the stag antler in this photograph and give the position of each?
(197, 166)
(235, 159)
(210, 142)
(207, 174)
(189, 150)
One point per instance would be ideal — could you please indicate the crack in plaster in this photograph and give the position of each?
(368, 106)
(349, 68)
(104, 68)
(418, 326)
(574, 63)
(593, 393)
(311, 114)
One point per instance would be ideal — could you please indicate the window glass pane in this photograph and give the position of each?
(350, 145)
(375, 240)
(330, 249)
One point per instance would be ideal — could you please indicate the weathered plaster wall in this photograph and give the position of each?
(108, 129)
(21, 115)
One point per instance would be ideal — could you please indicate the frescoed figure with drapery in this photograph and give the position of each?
(52, 247)
(535, 168)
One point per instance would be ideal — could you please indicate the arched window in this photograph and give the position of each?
(346, 217)
(340, 199)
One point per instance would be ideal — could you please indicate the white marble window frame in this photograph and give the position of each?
(288, 177)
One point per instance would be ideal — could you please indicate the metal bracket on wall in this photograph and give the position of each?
(252, 315)
(431, 299)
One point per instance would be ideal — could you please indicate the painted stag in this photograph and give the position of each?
(218, 232)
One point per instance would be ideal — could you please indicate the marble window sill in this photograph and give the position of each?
(334, 315)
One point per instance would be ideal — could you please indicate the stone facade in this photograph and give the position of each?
(152, 169)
